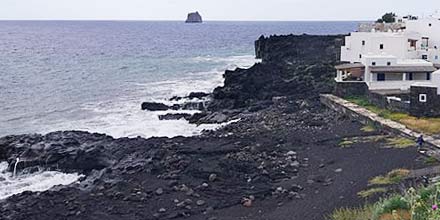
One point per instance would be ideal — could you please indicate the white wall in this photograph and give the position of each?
(422, 26)
(385, 85)
(428, 27)
(395, 44)
(379, 60)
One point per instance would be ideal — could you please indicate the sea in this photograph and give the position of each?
(94, 75)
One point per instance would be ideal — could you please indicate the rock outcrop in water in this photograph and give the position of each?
(296, 67)
(194, 17)
(279, 160)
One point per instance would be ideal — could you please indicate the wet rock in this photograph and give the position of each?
(154, 106)
(177, 116)
(198, 95)
(194, 106)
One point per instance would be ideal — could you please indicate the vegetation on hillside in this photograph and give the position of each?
(421, 204)
(387, 18)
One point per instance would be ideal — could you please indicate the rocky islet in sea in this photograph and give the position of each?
(194, 17)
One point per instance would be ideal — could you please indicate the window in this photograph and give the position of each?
(410, 76)
(388, 63)
(436, 57)
(380, 77)
(373, 63)
(428, 76)
(381, 46)
(430, 25)
(425, 42)
(360, 56)
(412, 43)
(363, 43)
(422, 98)
(425, 57)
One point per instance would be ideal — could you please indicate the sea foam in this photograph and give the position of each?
(123, 117)
(35, 182)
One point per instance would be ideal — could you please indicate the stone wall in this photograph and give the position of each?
(393, 105)
(409, 103)
(350, 89)
(430, 108)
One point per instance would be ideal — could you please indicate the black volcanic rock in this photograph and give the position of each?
(154, 106)
(194, 17)
(177, 116)
(64, 151)
(197, 95)
(295, 66)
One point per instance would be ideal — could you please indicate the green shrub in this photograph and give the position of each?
(395, 203)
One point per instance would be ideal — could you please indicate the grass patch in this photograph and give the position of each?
(362, 213)
(400, 142)
(346, 143)
(370, 192)
(431, 160)
(392, 177)
(368, 128)
(425, 125)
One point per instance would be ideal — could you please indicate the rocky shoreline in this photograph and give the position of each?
(282, 160)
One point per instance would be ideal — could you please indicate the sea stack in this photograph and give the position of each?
(194, 17)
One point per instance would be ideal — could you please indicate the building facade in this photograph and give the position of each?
(392, 59)
(397, 61)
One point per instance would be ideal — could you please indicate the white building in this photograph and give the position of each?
(394, 59)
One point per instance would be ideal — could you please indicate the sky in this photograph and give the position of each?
(279, 10)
